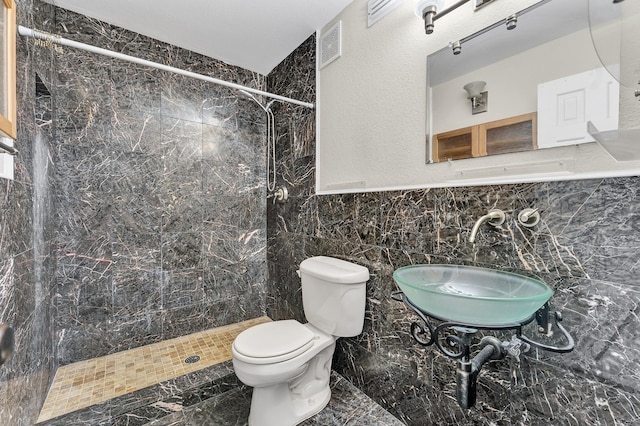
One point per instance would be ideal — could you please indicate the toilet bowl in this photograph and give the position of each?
(289, 363)
(291, 383)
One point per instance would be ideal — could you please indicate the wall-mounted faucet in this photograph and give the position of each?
(495, 217)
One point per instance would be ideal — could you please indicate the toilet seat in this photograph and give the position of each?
(272, 342)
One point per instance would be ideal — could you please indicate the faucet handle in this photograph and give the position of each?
(529, 217)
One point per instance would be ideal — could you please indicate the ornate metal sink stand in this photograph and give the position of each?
(454, 339)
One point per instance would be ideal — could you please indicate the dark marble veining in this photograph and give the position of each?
(214, 396)
(146, 234)
(585, 247)
(139, 213)
(26, 261)
(348, 405)
(138, 209)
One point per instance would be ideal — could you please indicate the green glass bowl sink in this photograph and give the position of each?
(472, 295)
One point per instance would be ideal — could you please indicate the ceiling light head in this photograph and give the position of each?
(512, 22)
(427, 9)
(456, 47)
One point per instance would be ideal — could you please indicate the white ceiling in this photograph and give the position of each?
(253, 34)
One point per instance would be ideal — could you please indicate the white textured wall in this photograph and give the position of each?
(372, 106)
(512, 83)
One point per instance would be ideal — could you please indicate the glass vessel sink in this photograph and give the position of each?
(472, 295)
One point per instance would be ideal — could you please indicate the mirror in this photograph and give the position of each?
(541, 84)
(612, 42)
(377, 117)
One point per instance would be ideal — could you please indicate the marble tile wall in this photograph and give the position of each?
(585, 246)
(160, 194)
(138, 209)
(138, 214)
(26, 263)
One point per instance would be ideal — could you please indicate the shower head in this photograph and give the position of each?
(250, 96)
(246, 94)
(271, 102)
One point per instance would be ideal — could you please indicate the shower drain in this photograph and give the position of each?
(191, 359)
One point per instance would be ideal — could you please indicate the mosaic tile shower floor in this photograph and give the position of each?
(208, 396)
(86, 383)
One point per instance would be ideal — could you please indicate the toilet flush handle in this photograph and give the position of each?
(298, 272)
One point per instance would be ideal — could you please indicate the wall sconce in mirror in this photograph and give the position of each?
(479, 99)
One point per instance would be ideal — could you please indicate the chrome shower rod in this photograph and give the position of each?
(28, 32)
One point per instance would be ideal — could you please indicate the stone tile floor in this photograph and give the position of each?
(348, 406)
(205, 394)
(86, 383)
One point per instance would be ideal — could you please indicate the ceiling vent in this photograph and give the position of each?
(378, 9)
(331, 45)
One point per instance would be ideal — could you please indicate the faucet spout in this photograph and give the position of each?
(495, 217)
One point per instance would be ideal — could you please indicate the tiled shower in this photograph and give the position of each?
(159, 197)
(139, 213)
(138, 210)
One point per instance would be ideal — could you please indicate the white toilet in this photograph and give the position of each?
(288, 363)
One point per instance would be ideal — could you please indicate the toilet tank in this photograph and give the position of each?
(334, 294)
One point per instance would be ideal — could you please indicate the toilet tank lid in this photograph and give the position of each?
(334, 270)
